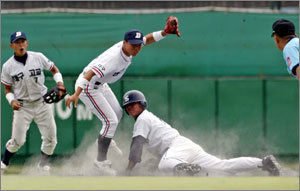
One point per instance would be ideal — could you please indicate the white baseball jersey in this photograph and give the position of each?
(27, 80)
(158, 133)
(108, 66)
(165, 141)
(291, 55)
(28, 85)
(98, 97)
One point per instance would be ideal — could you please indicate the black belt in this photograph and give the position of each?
(21, 100)
(96, 84)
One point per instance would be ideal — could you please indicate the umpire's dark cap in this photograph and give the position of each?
(283, 28)
(134, 36)
(17, 35)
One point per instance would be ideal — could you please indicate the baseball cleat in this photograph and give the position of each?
(185, 169)
(3, 167)
(270, 164)
(113, 145)
(105, 167)
(44, 169)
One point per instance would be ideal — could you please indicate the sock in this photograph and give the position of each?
(7, 156)
(103, 144)
(44, 159)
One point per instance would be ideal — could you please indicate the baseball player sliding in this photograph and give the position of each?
(286, 40)
(179, 154)
(92, 84)
(23, 79)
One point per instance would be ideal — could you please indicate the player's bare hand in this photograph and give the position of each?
(15, 105)
(73, 98)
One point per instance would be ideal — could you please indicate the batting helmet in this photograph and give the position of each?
(134, 96)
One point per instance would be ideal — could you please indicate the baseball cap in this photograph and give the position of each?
(134, 36)
(283, 27)
(17, 35)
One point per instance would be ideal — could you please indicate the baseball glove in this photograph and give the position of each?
(172, 26)
(53, 95)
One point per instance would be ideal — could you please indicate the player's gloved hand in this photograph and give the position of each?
(172, 26)
(56, 94)
(15, 105)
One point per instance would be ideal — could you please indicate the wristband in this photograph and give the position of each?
(157, 36)
(82, 82)
(58, 77)
(10, 97)
(144, 40)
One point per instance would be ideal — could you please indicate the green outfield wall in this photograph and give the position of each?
(223, 84)
(212, 43)
(235, 116)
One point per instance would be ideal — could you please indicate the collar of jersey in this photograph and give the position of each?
(126, 58)
(21, 59)
(140, 114)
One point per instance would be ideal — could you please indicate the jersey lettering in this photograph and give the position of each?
(35, 72)
(101, 67)
(18, 76)
(117, 73)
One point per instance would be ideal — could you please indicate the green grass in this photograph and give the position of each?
(18, 182)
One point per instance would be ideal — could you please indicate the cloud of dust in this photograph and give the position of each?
(81, 162)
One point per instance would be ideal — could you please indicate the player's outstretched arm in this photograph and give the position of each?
(171, 27)
(82, 85)
(135, 155)
(150, 38)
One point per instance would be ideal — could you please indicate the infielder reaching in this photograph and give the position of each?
(23, 79)
(92, 84)
(179, 154)
(286, 40)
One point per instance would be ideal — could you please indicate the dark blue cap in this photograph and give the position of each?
(283, 28)
(134, 36)
(17, 35)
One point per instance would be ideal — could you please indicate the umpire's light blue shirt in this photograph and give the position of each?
(291, 56)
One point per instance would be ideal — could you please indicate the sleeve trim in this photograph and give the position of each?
(52, 65)
(6, 83)
(98, 71)
(294, 69)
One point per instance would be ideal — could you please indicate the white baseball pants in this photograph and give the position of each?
(104, 104)
(183, 150)
(42, 114)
